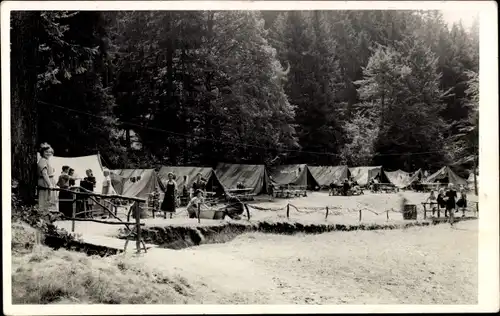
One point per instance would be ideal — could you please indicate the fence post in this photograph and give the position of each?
(73, 213)
(425, 211)
(477, 209)
(199, 210)
(138, 226)
(326, 216)
(288, 211)
(387, 214)
(360, 215)
(248, 211)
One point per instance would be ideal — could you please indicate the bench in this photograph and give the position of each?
(438, 209)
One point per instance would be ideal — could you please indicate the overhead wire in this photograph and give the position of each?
(241, 144)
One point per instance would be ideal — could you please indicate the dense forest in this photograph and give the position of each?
(391, 88)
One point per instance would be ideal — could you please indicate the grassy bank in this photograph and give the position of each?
(47, 276)
(416, 265)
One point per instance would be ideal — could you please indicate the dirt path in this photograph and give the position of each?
(431, 265)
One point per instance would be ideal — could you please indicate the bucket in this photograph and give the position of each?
(212, 214)
(410, 212)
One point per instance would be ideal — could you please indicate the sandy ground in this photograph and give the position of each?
(418, 265)
(311, 209)
(421, 265)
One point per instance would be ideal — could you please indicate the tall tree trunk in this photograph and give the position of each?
(208, 150)
(24, 109)
(171, 103)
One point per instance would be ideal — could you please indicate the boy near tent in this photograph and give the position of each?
(462, 201)
(331, 191)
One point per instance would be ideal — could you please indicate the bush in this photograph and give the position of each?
(31, 225)
(48, 276)
(24, 238)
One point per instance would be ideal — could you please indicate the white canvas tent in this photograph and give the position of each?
(80, 164)
(364, 174)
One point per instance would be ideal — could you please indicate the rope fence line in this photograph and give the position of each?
(337, 210)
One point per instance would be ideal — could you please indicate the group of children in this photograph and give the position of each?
(172, 196)
(66, 181)
(450, 200)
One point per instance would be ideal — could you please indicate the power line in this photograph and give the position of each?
(237, 143)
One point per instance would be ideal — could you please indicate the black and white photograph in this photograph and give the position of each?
(325, 155)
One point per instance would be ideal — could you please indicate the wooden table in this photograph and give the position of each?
(242, 194)
(289, 191)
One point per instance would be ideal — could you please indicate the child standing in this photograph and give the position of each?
(451, 196)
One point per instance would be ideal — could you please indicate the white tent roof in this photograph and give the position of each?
(80, 164)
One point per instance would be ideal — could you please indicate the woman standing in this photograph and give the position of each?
(168, 204)
(46, 181)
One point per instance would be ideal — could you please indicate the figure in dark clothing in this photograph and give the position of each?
(235, 208)
(89, 182)
(168, 204)
(331, 188)
(451, 197)
(270, 191)
(71, 173)
(345, 187)
(440, 199)
(65, 205)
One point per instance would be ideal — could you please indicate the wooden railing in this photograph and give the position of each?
(79, 194)
(434, 207)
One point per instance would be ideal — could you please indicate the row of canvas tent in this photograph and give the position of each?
(141, 182)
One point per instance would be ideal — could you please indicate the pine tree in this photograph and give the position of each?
(75, 107)
(404, 82)
(304, 40)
